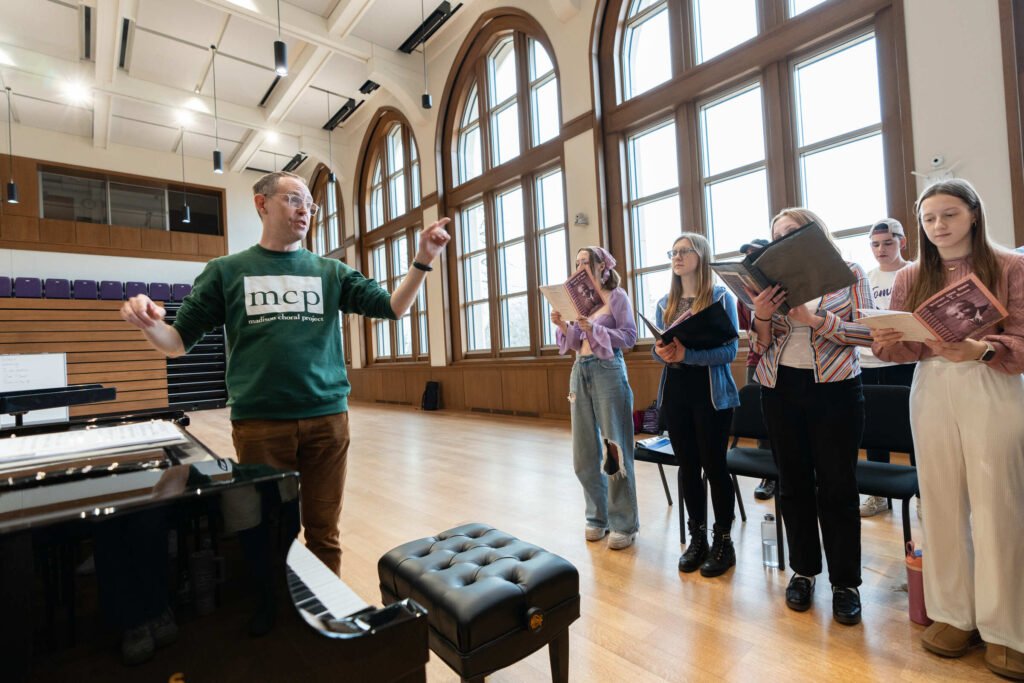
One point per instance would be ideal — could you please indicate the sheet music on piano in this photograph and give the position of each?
(95, 440)
(318, 591)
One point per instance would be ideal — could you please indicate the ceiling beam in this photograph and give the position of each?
(346, 15)
(107, 22)
(295, 21)
(246, 148)
(301, 73)
(46, 71)
(402, 76)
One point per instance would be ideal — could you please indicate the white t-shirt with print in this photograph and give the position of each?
(881, 291)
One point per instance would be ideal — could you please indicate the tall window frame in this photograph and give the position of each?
(327, 236)
(390, 211)
(502, 251)
(765, 61)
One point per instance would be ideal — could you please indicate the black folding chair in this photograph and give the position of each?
(759, 463)
(887, 427)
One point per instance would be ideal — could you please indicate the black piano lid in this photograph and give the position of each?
(115, 492)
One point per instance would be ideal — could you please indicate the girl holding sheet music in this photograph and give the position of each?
(696, 397)
(601, 405)
(814, 410)
(966, 403)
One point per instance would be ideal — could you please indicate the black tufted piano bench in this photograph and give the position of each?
(491, 598)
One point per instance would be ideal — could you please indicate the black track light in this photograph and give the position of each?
(12, 188)
(280, 49)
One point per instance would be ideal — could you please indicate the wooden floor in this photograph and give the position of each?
(413, 473)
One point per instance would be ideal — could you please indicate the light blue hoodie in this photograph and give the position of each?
(723, 388)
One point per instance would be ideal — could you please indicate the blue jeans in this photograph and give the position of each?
(601, 405)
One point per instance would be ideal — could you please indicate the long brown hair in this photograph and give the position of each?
(931, 275)
(705, 284)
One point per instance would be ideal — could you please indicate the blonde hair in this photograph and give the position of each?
(705, 283)
(802, 217)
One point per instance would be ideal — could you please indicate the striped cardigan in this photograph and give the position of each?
(834, 344)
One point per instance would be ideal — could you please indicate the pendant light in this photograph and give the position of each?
(425, 100)
(218, 160)
(186, 217)
(12, 188)
(330, 149)
(280, 48)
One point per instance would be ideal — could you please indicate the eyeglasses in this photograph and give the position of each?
(681, 253)
(297, 202)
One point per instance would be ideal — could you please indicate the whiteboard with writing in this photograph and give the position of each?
(20, 371)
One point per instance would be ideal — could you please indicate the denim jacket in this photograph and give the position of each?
(723, 388)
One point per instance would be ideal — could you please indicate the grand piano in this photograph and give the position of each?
(107, 524)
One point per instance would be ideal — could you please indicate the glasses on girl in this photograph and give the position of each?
(681, 253)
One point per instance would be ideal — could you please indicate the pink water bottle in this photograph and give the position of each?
(915, 586)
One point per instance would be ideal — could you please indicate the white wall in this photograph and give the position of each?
(958, 110)
(242, 221)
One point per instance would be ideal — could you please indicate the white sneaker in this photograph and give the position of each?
(618, 540)
(872, 505)
(595, 533)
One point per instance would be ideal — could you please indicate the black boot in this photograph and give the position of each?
(697, 551)
(722, 555)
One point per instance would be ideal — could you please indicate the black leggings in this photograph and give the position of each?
(700, 438)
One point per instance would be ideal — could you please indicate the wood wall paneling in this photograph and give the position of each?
(156, 240)
(53, 231)
(210, 245)
(28, 187)
(100, 348)
(482, 388)
(524, 389)
(92, 234)
(558, 390)
(19, 228)
(124, 237)
(184, 243)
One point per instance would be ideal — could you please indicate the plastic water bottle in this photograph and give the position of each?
(769, 542)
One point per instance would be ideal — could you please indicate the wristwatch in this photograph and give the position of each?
(988, 354)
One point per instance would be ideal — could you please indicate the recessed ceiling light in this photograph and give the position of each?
(271, 136)
(196, 90)
(196, 104)
(184, 117)
(76, 92)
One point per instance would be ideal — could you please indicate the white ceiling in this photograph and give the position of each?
(168, 57)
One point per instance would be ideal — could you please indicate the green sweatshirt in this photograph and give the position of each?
(281, 314)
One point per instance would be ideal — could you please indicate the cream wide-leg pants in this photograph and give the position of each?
(968, 426)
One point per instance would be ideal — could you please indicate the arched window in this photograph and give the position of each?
(326, 235)
(391, 193)
(719, 114)
(503, 185)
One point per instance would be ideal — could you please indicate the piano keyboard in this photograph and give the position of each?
(318, 590)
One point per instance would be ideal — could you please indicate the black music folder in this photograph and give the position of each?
(707, 329)
(804, 262)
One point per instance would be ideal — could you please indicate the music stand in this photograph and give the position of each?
(17, 403)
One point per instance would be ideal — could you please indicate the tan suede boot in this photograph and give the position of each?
(1005, 661)
(948, 641)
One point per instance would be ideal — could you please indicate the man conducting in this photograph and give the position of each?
(287, 386)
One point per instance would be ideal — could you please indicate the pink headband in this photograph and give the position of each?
(607, 261)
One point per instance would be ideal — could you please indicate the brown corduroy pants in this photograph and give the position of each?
(316, 448)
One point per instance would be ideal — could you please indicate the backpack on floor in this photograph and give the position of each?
(431, 396)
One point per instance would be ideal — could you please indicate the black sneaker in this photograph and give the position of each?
(799, 593)
(765, 490)
(846, 605)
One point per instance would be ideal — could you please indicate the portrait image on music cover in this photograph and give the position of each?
(583, 291)
(961, 309)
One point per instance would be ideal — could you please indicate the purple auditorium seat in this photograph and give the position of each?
(179, 291)
(57, 288)
(83, 289)
(159, 291)
(111, 290)
(5, 286)
(28, 288)
(133, 288)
